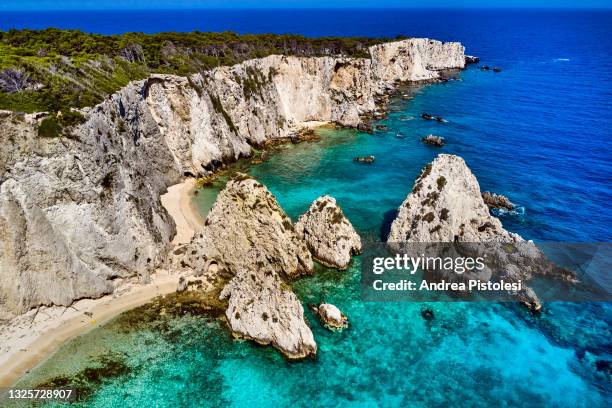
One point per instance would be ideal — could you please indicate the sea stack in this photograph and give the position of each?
(328, 233)
(446, 205)
(251, 242)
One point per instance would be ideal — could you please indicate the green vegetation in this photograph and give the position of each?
(59, 124)
(50, 70)
(218, 106)
(441, 181)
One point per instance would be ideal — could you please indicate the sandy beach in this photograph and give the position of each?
(29, 339)
(178, 203)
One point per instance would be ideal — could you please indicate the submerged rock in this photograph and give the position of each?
(427, 314)
(485, 68)
(436, 141)
(331, 316)
(364, 159)
(428, 116)
(497, 69)
(305, 135)
(365, 126)
(493, 200)
(328, 233)
(382, 127)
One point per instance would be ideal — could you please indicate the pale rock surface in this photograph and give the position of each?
(80, 214)
(446, 205)
(332, 316)
(262, 308)
(328, 233)
(249, 240)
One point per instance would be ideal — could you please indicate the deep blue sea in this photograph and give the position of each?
(538, 132)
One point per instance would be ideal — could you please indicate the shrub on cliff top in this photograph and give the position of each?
(49, 127)
(77, 69)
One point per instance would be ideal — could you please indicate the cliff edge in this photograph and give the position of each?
(80, 200)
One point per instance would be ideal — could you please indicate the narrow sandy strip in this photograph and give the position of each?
(179, 204)
(29, 339)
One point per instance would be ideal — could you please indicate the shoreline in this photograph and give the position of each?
(31, 338)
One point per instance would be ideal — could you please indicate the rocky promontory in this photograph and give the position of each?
(328, 233)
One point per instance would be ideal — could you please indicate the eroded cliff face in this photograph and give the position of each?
(79, 212)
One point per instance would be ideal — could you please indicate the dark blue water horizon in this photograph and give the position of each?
(313, 22)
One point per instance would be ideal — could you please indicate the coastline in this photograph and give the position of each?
(29, 339)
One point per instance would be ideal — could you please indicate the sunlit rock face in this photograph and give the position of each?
(78, 214)
(329, 234)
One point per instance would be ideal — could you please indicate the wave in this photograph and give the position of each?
(562, 59)
(502, 212)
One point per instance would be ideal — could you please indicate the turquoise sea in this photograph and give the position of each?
(538, 132)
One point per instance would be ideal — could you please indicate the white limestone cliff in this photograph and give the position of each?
(80, 213)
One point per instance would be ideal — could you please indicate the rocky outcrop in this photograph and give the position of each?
(264, 309)
(328, 233)
(433, 140)
(249, 242)
(446, 205)
(493, 200)
(244, 218)
(428, 116)
(364, 159)
(331, 316)
(78, 213)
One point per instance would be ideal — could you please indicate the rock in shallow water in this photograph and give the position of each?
(364, 159)
(331, 316)
(433, 140)
(263, 308)
(493, 200)
(328, 233)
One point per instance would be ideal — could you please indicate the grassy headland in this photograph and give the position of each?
(52, 69)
